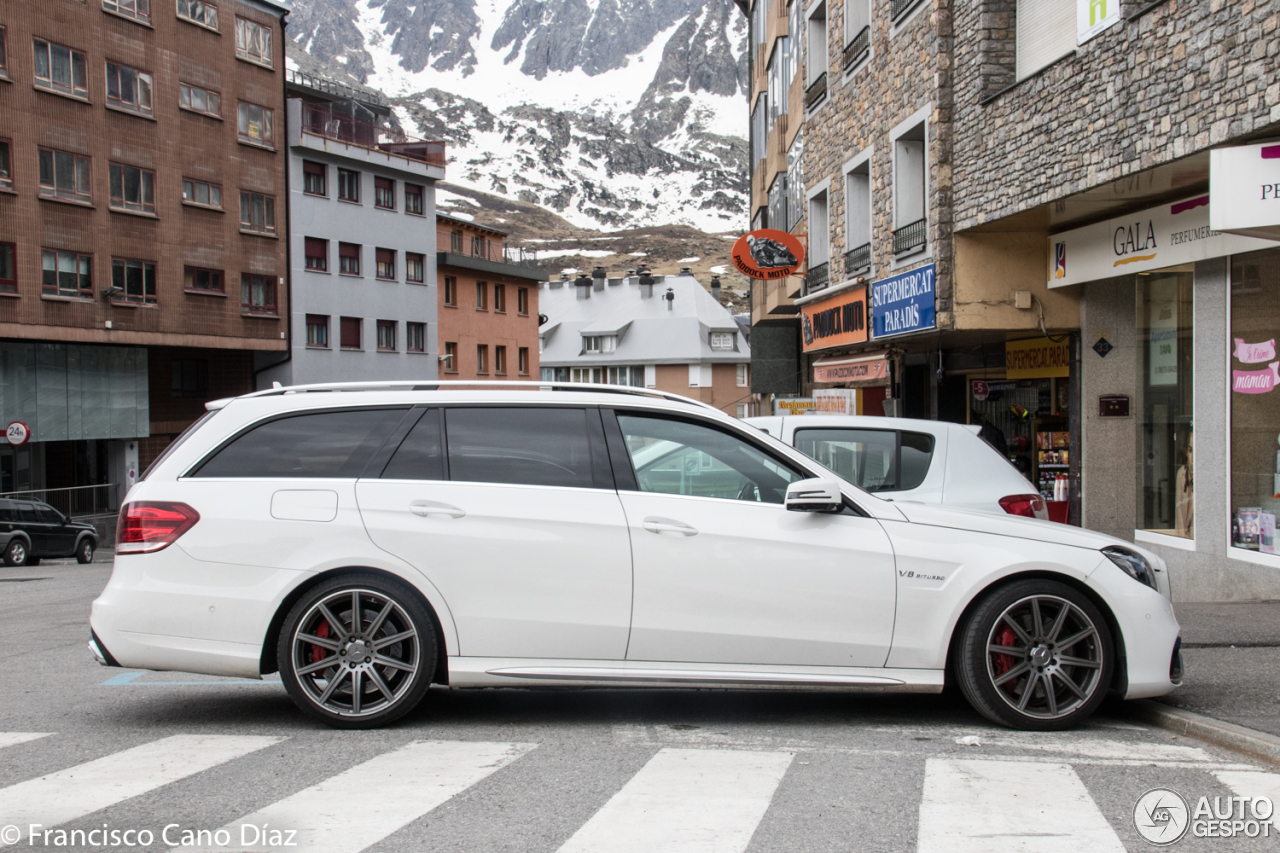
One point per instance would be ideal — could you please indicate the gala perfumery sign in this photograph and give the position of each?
(1244, 190)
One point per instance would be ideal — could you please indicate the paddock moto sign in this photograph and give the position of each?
(767, 254)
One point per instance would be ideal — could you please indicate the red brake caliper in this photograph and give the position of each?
(1003, 663)
(317, 652)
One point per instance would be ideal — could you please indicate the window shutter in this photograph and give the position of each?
(1046, 31)
(351, 332)
(316, 248)
(349, 250)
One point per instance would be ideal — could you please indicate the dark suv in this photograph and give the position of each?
(31, 529)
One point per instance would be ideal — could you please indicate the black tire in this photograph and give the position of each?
(1059, 664)
(383, 680)
(84, 551)
(16, 552)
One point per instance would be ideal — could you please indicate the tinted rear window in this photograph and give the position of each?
(26, 512)
(320, 444)
(876, 460)
(527, 446)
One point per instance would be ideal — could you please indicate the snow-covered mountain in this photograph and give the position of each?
(613, 113)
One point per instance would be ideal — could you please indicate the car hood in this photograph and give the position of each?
(1007, 525)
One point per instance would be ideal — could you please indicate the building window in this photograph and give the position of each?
(201, 193)
(816, 50)
(910, 182)
(135, 280)
(480, 247)
(599, 343)
(722, 340)
(253, 42)
(349, 332)
(523, 360)
(760, 129)
(128, 89)
(198, 12)
(318, 330)
(257, 125)
(819, 274)
(455, 241)
(857, 32)
(6, 169)
(189, 377)
(522, 301)
(482, 358)
(794, 186)
(314, 178)
(450, 291)
(777, 95)
(482, 296)
(500, 298)
(68, 274)
(132, 189)
(64, 175)
(8, 268)
(349, 185)
(199, 100)
(137, 9)
(317, 254)
(857, 214)
(777, 209)
(627, 376)
(257, 213)
(386, 336)
(1046, 31)
(500, 360)
(349, 258)
(386, 264)
(384, 193)
(415, 337)
(743, 375)
(413, 202)
(258, 294)
(414, 267)
(60, 69)
(4, 61)
(200, 280)
(1165, 395)
(450, 358)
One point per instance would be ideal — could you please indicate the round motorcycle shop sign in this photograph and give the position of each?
(767, 253)
(18, 433)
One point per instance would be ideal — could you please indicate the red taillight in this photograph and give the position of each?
(146, 526)
(1032, 506)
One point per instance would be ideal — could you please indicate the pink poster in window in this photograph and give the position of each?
(1255, 353)
(1256, 381)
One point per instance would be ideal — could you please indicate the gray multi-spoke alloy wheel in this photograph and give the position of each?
(357, 651)
(15, 553)
(1035, 654)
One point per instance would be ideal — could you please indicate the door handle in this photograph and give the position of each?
(429, 508)
(666, 525)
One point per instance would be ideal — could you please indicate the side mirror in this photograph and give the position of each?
(816, 495)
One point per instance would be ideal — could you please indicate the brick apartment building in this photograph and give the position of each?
(488, 303)
(142, 190)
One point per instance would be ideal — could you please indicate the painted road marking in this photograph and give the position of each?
(15, 738)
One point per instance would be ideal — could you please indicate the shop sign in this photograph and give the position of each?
(18, 433)
(836, 322)
(865, 369)
(1163, 236)
(835, 401)
(903, 303)
(793, 406)
(767, 253)
(1094, 16)
(1113, 406)
(1244, 190)
(1037, 358)
(981, 390)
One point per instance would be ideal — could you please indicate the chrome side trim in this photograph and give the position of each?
(676, 675)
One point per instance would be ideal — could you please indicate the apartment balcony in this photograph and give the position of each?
(900, 8)
(325, 86)
(816, 92)
(328, 121)
(857, 49)
(857, 259)
(910, 238)
(818, 278)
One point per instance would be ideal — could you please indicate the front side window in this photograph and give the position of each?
(415, 337)
(201, 193)
(349, 185)
(201, 280)
(8, 268)
(253, 41)
(519, 446)
(199, 100)
(319, 444)
(135, 280)
(64, 175)
(414, 266)
(258, 294)
(318, 330)
(137, 9)
(386, 264)
(60, 69)
(6, 167)
(683, 458)
(128, 89)
(384, 193)
(199, 12)
(413, 200)
(256, 125)
(875, 460)
(133, 189)
(386, 336)
(257, 213)
(349, 258)
(67, 274)
(317, 254)
(314, 178)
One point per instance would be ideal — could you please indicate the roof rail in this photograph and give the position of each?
(482, 384)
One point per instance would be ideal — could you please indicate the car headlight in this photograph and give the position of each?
(1134, 565)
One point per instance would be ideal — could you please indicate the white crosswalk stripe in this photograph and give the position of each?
(15, 738)
(686, 801)
(997, 806)
(1253, 784)
(361, 806)
(81, 790)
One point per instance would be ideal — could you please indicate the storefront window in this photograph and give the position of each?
(1255, 400)
(1165, 448)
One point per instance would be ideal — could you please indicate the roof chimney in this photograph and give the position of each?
(670, 296)
(646, 283)
(715, 288)
(559, 282)
(583, 286)
(686, 270)
(598, 276)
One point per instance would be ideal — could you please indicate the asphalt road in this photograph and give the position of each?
(84, 747)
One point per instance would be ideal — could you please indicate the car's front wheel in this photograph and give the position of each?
(1035, 654)
(84, 551)
(358, 651)
(16, 553)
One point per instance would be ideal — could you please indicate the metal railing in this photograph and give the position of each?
(816, 92)
(75, 500)
(333, 87)
(320, 120)
(857, 48)
(817, 278)
(520, 256)
(857, 259)
(900, 8)
(910, 237)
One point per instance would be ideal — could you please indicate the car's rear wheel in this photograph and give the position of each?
(16, 553)
(358, 651)
(84, 551)
(1035, 654)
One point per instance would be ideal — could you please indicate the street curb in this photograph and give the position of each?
(1259, 746)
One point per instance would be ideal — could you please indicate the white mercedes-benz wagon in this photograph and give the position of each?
(370, 540)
